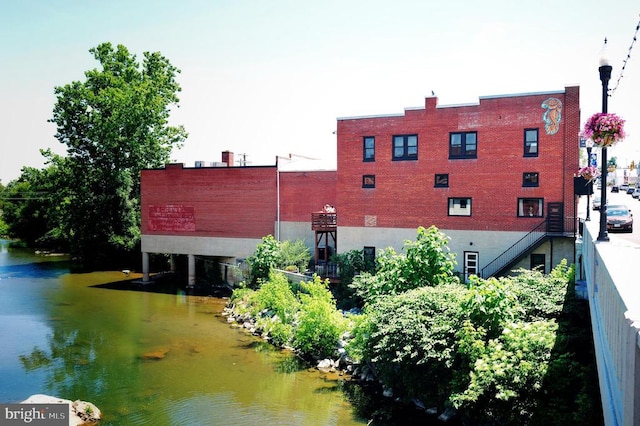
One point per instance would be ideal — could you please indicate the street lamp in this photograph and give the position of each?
(589, 144)
(605, 76)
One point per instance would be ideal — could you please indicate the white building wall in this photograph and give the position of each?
(199, 246)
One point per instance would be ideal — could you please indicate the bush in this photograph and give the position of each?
(319, 323)
(411, 340)
(266, 257)
(427, 262)
(294, 254)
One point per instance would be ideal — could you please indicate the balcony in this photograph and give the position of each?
(322, 221)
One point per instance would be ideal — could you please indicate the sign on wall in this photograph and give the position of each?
(172, 217)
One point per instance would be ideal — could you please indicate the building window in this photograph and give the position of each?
(459, 206)
(530, 142)
(369, 181)
(369, 257)
(405, 147)
(530, 179)
(537, 261)
(442, 181)
(530, 207)
(369, 149)
(463, 145)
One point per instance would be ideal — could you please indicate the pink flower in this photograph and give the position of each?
(589, 172)
(604, 129)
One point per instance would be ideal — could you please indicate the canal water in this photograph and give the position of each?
(147, 358)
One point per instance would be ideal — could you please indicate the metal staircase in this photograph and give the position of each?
(530, 241)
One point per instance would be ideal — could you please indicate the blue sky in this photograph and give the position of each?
(267, 78)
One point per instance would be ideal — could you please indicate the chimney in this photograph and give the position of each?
(227, 157)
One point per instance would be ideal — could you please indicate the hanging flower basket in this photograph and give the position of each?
(604, 129)
(589, 173)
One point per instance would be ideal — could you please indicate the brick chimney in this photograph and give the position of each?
(227, 157)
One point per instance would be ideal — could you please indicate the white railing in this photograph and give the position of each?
(613, 291)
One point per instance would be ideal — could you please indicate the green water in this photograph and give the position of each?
(146, 358)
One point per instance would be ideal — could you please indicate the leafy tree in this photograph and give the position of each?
(266, 257)
(114, 124)
(31, 207)
(427, 262)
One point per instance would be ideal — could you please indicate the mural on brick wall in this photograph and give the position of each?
(552, 115)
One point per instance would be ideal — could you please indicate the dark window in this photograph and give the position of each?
(442, 181)
(463, 145)
(369, 148)
(530, 142)
(369, 181)
(369, 257)
(530, 179)
(405, 147)
(459, 206)
(538, 261)
(530, 207)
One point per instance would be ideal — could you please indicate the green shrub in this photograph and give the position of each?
(507, 373)
(296, 254)
(427, 262)
(411, 340)
(266, 257)
(319, 324)
(275, 296)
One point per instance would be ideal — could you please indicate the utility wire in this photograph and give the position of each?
(624, 63)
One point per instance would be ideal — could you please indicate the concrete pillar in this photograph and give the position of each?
(192, 270)
(145, 267)
(172, 263)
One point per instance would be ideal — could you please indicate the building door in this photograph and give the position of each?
(555, 217)
(470, 264)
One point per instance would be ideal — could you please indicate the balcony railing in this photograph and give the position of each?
(324, 221)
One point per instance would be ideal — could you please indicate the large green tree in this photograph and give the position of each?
(114, 124)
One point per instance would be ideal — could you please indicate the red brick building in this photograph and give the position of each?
(496, 177)
(490, 175)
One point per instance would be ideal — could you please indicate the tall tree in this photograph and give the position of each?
(114, 124)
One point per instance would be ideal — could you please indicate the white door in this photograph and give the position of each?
(470, 264)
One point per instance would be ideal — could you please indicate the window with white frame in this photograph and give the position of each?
(459, 206)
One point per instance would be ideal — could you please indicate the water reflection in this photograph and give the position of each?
(147, 358)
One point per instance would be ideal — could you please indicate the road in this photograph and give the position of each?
(618, 198)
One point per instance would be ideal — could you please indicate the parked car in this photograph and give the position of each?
(636, 193)
(615, 188)
(630, 190)
(624, 187)
(596, 202)
(619, 218)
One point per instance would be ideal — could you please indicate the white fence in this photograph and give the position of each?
(613, 288)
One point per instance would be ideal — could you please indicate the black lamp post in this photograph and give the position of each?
(605, 76)
(588, 218)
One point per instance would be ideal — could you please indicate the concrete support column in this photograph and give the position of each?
(145, 267)
(192, 270)
(172, 263)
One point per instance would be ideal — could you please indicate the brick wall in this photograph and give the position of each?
(302, 193)
(214, 202)
(404, 195)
